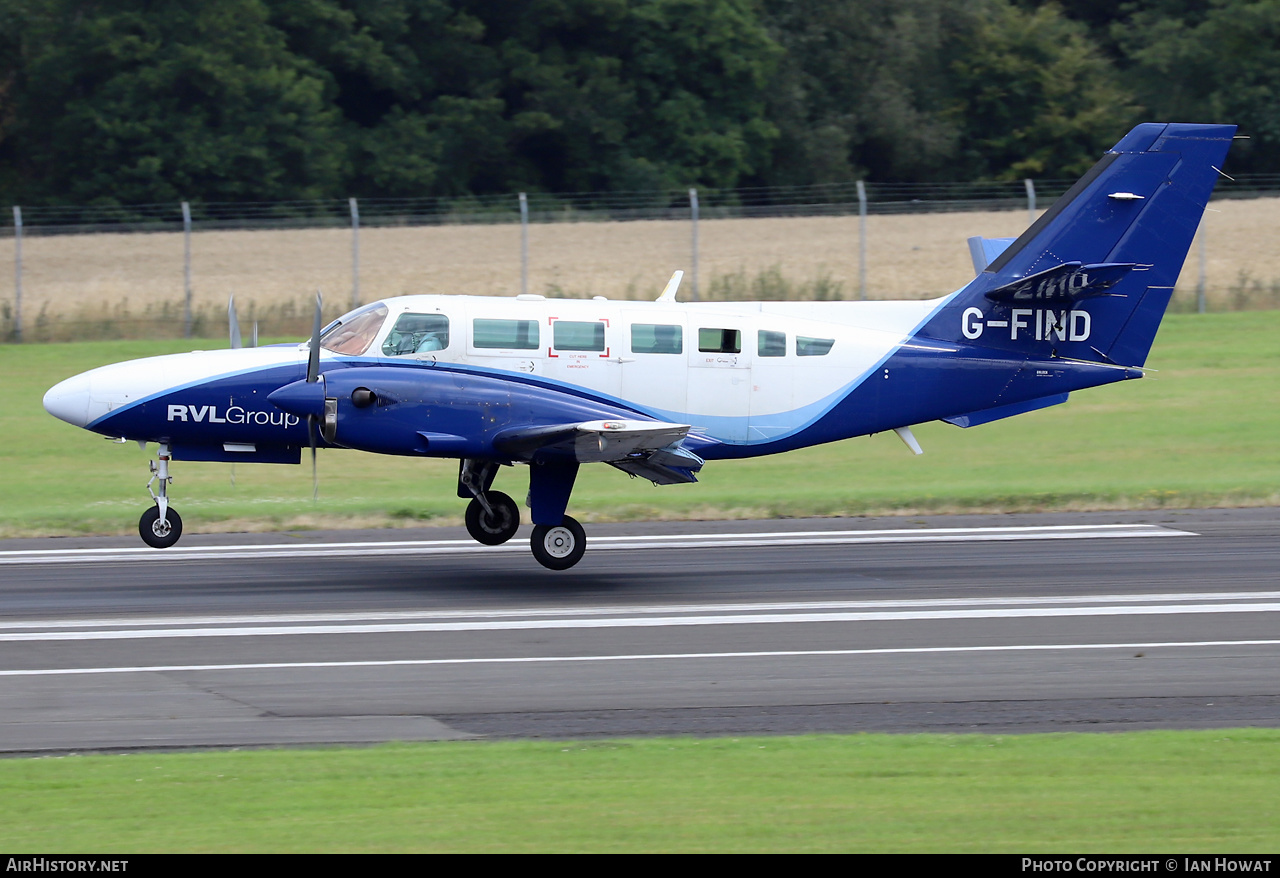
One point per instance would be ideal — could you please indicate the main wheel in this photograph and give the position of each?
(160, 534)
(496, 529)
(560, 546)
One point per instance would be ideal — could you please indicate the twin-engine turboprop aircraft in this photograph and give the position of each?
(657, 389)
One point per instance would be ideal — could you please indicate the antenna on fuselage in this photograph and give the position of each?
(669, 292)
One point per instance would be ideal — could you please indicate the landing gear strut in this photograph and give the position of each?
(160, 526)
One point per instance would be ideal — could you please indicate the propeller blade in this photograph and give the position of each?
(311, 439)
(255, 334)
(313, 360)
(233, 324)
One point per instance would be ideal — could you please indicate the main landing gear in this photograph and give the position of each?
(559, 547)
(492, 517)
(160, 526)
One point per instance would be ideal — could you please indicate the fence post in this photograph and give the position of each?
(862, 240)
(1031, 199)
(524, 243)
(17, 273)
(1200, 294)
(186, 269)
(693, 214)
(355, 252)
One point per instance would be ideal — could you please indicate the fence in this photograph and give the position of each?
(807, 247)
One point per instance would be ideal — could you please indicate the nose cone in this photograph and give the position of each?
(301, 398)
(69, 400)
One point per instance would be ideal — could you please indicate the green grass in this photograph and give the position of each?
(1202, 432)
(1204, 792)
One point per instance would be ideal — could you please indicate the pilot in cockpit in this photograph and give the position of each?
(417, 334)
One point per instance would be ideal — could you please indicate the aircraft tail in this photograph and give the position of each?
(1091, 278)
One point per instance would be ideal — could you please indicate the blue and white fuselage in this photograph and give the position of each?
(656, 389)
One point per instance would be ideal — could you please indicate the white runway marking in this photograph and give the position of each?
(658, 617)
(667, 609)
(595, 544)
(690, 656)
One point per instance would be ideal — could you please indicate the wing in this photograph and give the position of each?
(648, 449)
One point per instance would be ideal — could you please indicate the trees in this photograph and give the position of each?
(1036, 97)
(125, 102)
(107, 100)
(1217, 62)
(940, 89)
(130, 101)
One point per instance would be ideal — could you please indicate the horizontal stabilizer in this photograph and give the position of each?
(984, 251)
(1064, 284)
(986, 416)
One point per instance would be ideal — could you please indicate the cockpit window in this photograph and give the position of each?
(353, 333)
(417, 334)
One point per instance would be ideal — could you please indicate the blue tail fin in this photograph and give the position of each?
(1091, 278)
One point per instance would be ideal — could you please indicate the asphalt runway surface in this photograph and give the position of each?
(1068, 622)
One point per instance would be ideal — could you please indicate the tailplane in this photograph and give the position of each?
(1091, 278)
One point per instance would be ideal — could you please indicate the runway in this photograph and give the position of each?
(1099, 621)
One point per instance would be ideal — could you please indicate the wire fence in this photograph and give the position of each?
(727, 271)
(766, 201)
(773, 201)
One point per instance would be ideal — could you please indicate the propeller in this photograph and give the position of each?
(313, 375)
(234, 325)
(237, 340)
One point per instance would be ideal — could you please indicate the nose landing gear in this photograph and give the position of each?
(492, 517)
(496, 524)
(160, 526)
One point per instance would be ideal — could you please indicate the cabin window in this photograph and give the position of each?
(353, 333)
(813, 347)
(576, 335)
(417, 334)
(772, 344)
(720, 341)
(656, 338)
(520, 335)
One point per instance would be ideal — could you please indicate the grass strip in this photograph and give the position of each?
(1139, 792)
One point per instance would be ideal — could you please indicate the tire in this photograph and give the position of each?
(559, 547)
(157, 534)
(496, 529)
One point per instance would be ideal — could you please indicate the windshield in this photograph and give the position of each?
(354, 332)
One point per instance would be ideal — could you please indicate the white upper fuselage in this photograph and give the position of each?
(740, 371)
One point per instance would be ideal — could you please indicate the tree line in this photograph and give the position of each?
(147, 101)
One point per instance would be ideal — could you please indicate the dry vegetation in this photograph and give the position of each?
(107, 285)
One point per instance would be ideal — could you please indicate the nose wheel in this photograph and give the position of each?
(497, 524)
(157, 532)
(560, 546)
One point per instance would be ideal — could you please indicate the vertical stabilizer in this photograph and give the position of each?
(1091, 278)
